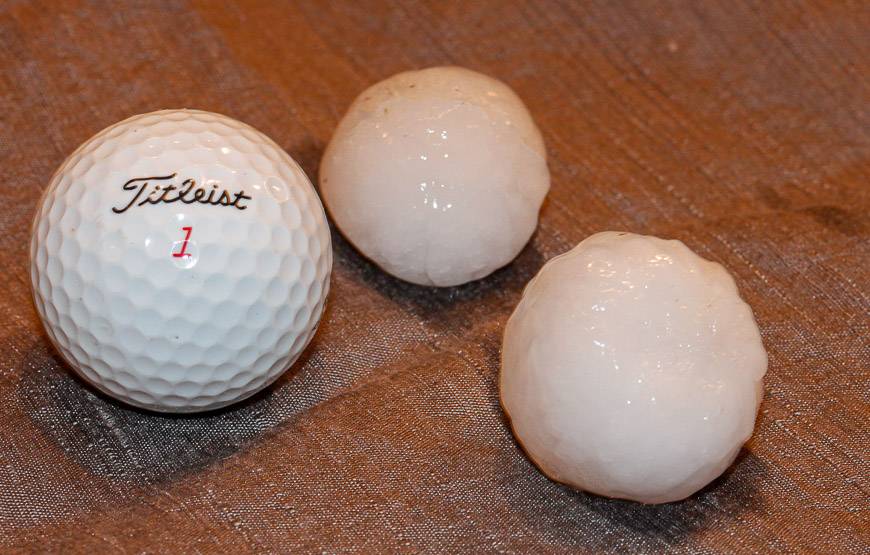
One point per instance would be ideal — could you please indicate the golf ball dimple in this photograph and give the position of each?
(632, 368)
(180, 260)
(436, 175)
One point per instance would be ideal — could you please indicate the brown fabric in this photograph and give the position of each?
(741, 128)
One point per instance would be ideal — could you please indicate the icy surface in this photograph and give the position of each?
(436, 175)
(632, 368)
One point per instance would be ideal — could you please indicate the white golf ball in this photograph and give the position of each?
(436, 175)
(632, 368)
(180, 260)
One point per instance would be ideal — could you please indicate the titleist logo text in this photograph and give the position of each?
(161, 190)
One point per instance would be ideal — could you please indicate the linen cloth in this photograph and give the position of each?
(740, 128)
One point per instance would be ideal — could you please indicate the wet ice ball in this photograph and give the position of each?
(436, 175)
(632, 368)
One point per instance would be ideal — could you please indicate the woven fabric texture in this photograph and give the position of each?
(741, 128)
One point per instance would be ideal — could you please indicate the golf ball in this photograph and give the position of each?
(632, 368)
(436, 175)
(180, 260)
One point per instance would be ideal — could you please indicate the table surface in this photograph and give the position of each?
(740, 128)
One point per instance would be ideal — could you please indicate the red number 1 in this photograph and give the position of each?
(183, 252)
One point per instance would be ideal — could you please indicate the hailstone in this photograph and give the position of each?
(436, 175)
(631, 368)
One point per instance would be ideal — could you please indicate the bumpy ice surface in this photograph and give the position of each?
(632, 368)
(436, 175)
(196, 331)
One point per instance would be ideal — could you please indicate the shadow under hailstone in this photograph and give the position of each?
(450, 308)
(119, 442)
(578, 519)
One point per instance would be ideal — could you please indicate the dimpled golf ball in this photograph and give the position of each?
(632, 368)
(180, 260)
(436, 175)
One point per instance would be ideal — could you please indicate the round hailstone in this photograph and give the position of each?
(436, 175)
(632, 368)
